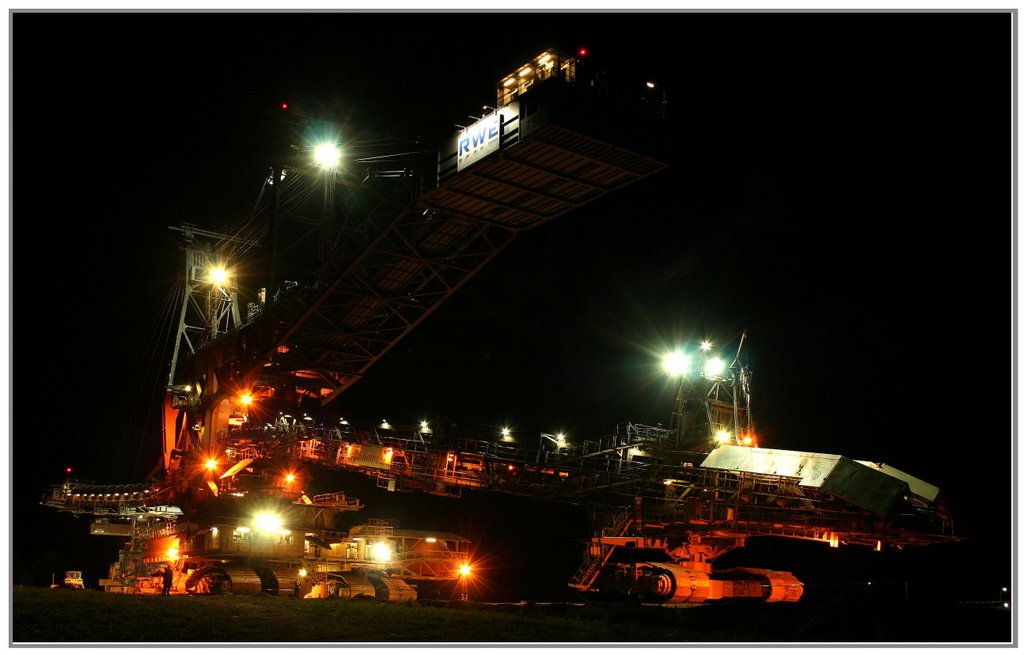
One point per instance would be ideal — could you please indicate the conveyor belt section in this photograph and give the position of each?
(703, 499)
(550, 173)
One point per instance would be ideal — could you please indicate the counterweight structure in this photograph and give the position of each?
(354, 256)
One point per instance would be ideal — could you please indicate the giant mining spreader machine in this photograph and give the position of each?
(355, 251)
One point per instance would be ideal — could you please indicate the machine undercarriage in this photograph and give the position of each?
(670, 513)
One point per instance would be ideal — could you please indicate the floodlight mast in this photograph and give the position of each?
(741, 377)
(327, 156)
(712, 403)
(210, 303)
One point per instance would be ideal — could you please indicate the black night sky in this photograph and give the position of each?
(839, 186)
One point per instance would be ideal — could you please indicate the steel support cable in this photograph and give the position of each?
(161, 332)
(259, 196)
(242, 236)
(246, 231)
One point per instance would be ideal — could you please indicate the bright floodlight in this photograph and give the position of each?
(424, 425)
(705, 345)
(245, 399)
(560, 437)
(211, 464)
(676, 364)
(506, 433)
(303, 573)
(723, 435)
(714, 367)
(267, 522)
(327, 155)
(219, 276)
(290, 477)
(381, 552)
(464, 570)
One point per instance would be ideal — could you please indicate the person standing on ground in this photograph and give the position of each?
(168, 579)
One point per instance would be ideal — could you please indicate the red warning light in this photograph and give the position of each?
(284, 105)
(68, 469)
(583, 52)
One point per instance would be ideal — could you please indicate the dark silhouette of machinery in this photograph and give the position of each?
(355, 250)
